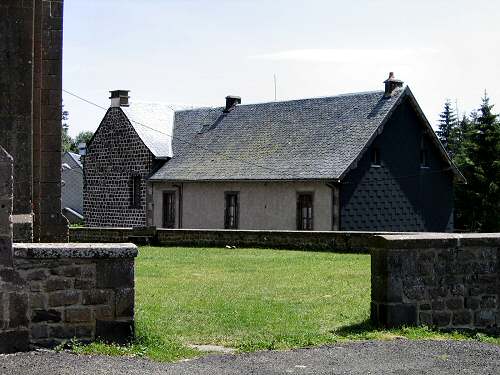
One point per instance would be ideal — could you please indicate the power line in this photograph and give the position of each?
(242, 160)
(178, 138)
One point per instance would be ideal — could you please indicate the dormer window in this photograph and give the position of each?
(375, 157)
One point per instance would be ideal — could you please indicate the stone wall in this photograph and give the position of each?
(440, 280)
(50, 293)
(356, 242)
(114, 156)
(83, 291)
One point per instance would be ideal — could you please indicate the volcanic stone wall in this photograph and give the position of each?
(114, 156)
(439, 280)
(50, 293)
(82, 291)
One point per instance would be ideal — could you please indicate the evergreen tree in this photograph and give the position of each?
(478, 202)
(83, 137)
(447, 124)
(66, 140)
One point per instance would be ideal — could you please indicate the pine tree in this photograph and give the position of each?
(67, 143)
(447, 124)
(478, 202)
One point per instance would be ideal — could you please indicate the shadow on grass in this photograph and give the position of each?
(361, 328)
(366, 330)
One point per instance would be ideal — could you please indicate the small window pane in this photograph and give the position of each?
(231, 210)
(305, 211)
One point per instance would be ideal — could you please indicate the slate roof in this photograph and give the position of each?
(153, 122)
(307, 139)
(76, 158)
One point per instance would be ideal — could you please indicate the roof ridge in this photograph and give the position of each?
(291, 100)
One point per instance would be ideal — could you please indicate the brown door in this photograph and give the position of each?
(169, 209)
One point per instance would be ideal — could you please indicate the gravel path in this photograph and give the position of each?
(370, 357)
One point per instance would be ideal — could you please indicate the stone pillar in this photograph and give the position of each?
(51, 225)
(447, 281)
(30, 114)
(14, 323)
(16, 83)
(6, 167)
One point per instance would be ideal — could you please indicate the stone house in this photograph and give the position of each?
(367, 161)
(131, 142)
(72, 187)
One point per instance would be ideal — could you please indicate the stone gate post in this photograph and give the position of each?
(14, 323)
(6, 170)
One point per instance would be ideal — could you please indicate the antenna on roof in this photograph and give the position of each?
(274, 86)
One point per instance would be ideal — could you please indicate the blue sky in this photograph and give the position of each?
(197, 52)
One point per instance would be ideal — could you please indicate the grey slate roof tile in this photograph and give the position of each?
(303, 139)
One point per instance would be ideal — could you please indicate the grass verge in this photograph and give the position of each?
(251, 299)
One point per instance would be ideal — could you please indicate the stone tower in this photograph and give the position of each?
(30, 114)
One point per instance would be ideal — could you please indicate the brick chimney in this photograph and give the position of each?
(392, 85)
(231, 102)
(119, 98)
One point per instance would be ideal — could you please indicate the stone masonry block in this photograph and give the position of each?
(98, 297)
(103, 312)
(62, 331)
(397, 315)
(425, 318)
(441, 318)
(124, 303)
(456, 303)
(484, 318)
(14, 341)
(42, 315)
(53, 284)
(115, 331)
(462, 318)
(77, 314)
(18, 310)
(39, 331)
(116, 273)
(64, 298)
(38, 300)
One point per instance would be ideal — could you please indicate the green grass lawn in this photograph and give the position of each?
(249, 299)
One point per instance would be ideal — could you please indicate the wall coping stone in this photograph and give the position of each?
(434, 240)
(75, 250)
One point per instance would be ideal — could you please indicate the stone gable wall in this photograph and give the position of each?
(115, 154)
(399, 195)
(445, 281)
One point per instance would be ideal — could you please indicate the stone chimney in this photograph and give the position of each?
(392, 85)
(119, 98)
(231, 102)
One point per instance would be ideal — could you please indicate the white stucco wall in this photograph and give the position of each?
(263, 205)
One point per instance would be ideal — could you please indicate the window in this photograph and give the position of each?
(169, 209)
(136, 192)
(231, 211)
(305, 211)
(375, 157)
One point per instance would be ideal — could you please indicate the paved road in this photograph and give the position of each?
(373, 357)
